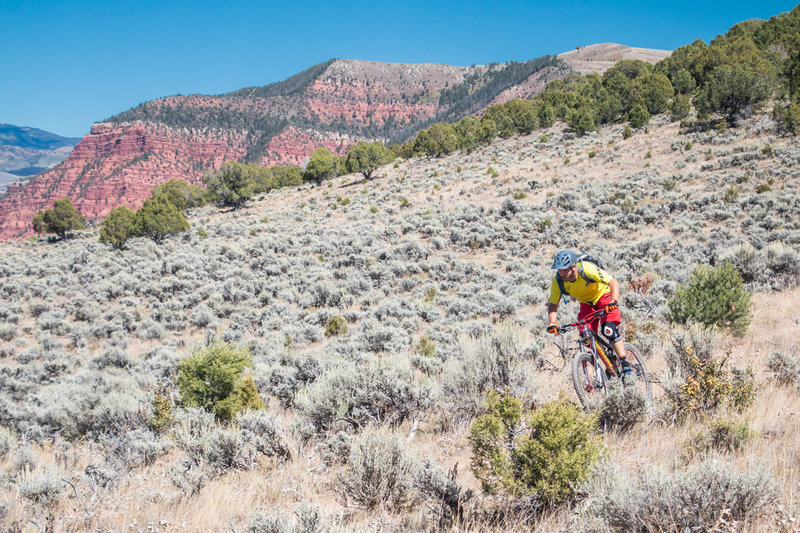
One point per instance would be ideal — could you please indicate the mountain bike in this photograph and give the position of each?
(594, 362)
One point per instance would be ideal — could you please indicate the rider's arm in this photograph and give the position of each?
(614, 286)
(552, 311)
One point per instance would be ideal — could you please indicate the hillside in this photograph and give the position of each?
(334, 104)
(451, 253)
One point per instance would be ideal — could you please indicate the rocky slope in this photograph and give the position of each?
(334, 104)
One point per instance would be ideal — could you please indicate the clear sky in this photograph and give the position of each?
(65, 64)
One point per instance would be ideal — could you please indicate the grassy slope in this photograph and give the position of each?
(487, 256)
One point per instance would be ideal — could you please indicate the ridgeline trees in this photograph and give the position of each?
(62, 219)
(163, 214)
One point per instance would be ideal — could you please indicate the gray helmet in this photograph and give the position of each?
(564, 259)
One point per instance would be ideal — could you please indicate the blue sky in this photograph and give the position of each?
(67, 64)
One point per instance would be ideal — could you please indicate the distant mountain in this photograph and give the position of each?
(33, 138)
(334, 104)
(25, 152)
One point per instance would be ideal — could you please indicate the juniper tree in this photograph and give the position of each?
(62, 219)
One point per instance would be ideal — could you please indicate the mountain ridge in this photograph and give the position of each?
(334, 104)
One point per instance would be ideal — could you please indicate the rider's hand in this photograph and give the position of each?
(552, 328)
(612, 306)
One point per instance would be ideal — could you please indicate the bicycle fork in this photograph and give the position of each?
(604, 358)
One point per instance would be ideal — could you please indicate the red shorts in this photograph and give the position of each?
(586, 309)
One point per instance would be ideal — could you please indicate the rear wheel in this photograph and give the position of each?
(589, 381)
(640, 371)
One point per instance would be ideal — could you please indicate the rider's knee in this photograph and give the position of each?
(611, 332)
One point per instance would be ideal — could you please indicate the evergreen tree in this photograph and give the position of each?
(233, 185)
(158, 218)
(181, 194)
(62, 219)
(638, 116)
(730, 89)
(366, 158)
(118, 227)
(322, 165)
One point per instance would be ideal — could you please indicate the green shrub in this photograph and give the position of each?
(161, 410)
(703, 381)
(546, 452)
(213, 378)
(725, 435)
(336, 326)
(731, 194)
(627, 133)
(426, 347)
(762, 188)
(714, 296)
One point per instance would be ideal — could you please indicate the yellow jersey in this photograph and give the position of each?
(590, 285)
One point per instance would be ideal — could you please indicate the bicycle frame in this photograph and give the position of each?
(598, 347)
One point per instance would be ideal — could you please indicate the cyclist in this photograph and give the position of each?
(595, 289)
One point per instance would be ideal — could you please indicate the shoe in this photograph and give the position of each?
(627, 368)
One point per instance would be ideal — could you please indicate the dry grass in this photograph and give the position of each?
(147, 499)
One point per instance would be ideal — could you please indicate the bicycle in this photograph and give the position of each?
(594, 362)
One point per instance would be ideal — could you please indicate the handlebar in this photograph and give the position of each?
(582, 322)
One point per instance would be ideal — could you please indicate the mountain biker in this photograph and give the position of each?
(595, 289)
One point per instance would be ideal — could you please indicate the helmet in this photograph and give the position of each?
(564, 259)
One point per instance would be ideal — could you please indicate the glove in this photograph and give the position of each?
(612, 306)
(552, 328)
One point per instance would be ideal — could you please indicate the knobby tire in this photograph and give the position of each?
(589, 388)
(640, 370)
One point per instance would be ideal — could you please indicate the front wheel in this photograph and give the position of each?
(640, 371)
(589, 380)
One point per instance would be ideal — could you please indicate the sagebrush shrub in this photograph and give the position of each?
(785, 367)
(491, 361)
(6, 441)
(623, 407)
(40, 486)
(278, 522)
(350, 396)
(546, 452)
(714, 296)
(136, 448)
(379, 473)
(213, 378)
(699, 499)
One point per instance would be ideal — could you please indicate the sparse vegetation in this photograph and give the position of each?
(375, 333)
